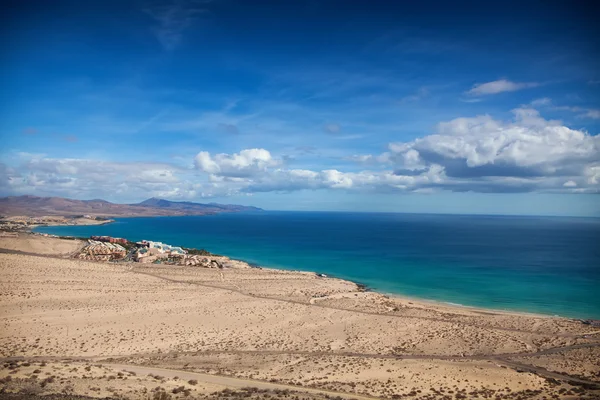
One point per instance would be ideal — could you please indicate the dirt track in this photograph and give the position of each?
(231, 382)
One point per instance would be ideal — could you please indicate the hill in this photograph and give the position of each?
(192, 207)
(38, 206)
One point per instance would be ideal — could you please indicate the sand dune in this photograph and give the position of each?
(40, 244)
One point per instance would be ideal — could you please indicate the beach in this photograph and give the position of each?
(538, 265)
(287, 328)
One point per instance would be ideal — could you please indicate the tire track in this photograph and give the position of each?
(301, 303)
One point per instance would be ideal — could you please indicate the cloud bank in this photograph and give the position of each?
(477, 154)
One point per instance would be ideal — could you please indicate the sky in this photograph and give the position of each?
(441, 107)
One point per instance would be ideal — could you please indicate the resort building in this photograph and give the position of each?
(109, 239)
(149, 251)
(102, 251)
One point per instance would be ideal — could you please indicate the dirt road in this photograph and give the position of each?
(230, 382)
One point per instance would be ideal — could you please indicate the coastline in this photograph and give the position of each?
(413, 300)
(420, 300)
(20, 223)
(427, 302)
(433, 272)
(90, 223)
(85, 322)
(410, 299)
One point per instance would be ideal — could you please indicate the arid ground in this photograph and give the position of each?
(133, 331)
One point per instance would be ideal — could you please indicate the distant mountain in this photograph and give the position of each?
(37, 206)
(189, 206)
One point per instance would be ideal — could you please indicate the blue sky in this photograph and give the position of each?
(479, 107)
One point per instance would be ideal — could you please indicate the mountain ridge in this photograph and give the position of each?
(31, 205)
(185, 205)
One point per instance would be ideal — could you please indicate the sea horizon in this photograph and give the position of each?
(597, 217)
(532, 264)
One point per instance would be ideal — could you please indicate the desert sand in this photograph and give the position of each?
(77, 327)
(44, 245)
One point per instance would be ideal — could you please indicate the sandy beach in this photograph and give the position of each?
(73, 326)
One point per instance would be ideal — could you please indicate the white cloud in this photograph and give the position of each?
(499, 86)
(594, 114)
(544, 101)
(472, 100)
(336, 179)
(581, 112)
(84, 178)
(243, 164)
(529, 149)
(480, 154)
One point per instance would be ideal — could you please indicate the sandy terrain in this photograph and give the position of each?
(25, 222)
(82, 221)
(29, 243)
(257, 326)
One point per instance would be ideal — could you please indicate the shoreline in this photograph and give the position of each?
(96, 222)
(410, 299)
(422, 301)
(22, 223)
(418, 300)
(74, 319)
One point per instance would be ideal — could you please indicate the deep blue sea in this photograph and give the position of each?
(548, 265)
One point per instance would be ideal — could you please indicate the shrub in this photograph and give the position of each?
(161, 395)
(178, 389)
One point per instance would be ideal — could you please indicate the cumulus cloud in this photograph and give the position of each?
(297, 179)
(246, 163)
(529, 151)
(480, 154)
(499, 86)
(255, 170)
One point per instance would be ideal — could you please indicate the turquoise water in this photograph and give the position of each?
(537, 264)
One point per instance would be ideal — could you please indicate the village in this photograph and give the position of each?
(106, 248)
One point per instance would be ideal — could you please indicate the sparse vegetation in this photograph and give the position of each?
(200, 252)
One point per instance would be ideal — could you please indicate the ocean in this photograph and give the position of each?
(547, 265)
